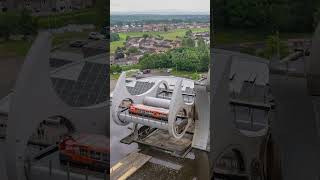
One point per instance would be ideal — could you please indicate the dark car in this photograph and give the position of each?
(95, 36)
(146, 71)
(78, 44)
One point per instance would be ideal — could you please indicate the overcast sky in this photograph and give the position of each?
(160, 5)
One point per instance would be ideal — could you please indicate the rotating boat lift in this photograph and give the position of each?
(183, 127)
(175, 106)
(34, 99)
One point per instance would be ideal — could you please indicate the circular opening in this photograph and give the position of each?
(163, 91)
(124, 108)
(231, 162)
(181, 121)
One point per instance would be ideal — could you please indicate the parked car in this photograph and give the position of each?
(140, 76)
(146, 71)
(96, 36)
(78, 43)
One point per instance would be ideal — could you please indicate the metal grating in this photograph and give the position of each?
(140, 87)
(252, 92)
(55, 63)
(89, 89)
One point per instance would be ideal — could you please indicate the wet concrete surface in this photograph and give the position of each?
(160, 171)
(119, 150)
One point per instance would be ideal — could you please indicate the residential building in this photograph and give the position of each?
(37, 6)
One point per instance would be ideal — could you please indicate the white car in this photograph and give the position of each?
(96, 36)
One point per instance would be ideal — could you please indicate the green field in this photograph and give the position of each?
(242, 36)
(170, 35)
(69, 36)
(14, 48)
(83, 16)
(19, 48)
(183, 74)
(186, 74)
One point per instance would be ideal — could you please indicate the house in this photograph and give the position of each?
(133, 42)
(112, 60)
(299, 43)
(37, 6)
(147, 28)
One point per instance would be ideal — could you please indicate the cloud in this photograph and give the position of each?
(147, 5)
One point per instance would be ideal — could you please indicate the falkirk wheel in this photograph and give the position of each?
(33, 100)
(170, 118)
(287, 92)
(172, 109)
(241, 114)
(295, 85)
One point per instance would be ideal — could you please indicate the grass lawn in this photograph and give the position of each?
(129, 73)
(186, 74)
(131, 70)
(115, 44)
(115, 76)
(13, 48)
(20, 48)
(83, 16)
(170, 35)
(241, 36)
(69, 36)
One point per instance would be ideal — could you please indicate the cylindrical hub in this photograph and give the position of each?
(156, 102)
(144, 121)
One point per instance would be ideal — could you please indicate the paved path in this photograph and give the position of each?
(9, 69)
(295, 129)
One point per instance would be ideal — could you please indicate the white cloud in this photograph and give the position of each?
(159, 5)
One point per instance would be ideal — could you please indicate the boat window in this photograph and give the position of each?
(83, 152)
(104, 157)
(95, 155)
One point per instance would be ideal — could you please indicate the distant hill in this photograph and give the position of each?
(160, 12)
(147, 18)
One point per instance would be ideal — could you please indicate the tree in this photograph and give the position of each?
(316, 17)
(153, 61)
(115, 68)
(165, 28)
(204, 58)
(266, 15)
(8, 24)
(145, 36)
(133, 50)
(26, 24)
(101, 9)
(189, 33)
(119, 53)
(159, 37)
(188, 42)
(201, 44)
(114, 37)
(274, 45)
(184, 59)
